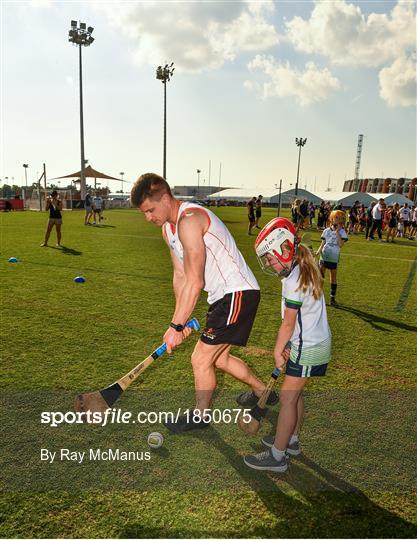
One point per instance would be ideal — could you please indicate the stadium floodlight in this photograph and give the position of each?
(81, 35)
(26, 165)
(300, 142)
(164, 75)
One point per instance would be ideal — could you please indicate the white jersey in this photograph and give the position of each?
(405, 214)
(98, 203)
(331, 249)
(225, 270)
(311, 340)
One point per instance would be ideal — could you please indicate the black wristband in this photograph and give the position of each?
(177, 327)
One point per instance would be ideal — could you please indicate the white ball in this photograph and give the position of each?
(155, 439)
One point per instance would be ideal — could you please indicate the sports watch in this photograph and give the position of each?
(177, 327)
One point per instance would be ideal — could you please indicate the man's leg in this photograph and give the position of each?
(238, 369)
(58, 233)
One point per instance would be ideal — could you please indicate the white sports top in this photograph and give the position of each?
(226, 270)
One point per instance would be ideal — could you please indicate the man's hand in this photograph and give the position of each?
(172, 338)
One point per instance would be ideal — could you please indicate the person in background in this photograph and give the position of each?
(321, 216)
(405, 218)
(251, 214)
(88, 208)
(369, 219)
(413, 225)
(97, 208)
(377, 215)
(54, 205)
(391, 218)
(333, 239)
(258, 213)
(362, 218)
(354, 218)
(304, 213)
(311, 213)
(296, 216)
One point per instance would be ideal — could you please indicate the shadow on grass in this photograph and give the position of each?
(101, 226)
(307, 501)
(372, 319)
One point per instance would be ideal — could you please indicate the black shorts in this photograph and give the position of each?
(251, 217)
(328, 265)
(258, 213)
(230, 319)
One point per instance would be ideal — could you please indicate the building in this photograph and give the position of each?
(375, 186)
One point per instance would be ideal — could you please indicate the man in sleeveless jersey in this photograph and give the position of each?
(204, 256)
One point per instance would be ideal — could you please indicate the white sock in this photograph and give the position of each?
(278, 454)
(293, 439)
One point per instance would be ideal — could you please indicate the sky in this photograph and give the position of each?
(249, 78)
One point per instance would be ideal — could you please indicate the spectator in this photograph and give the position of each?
(311, 213)
(362, 217)
(258, 204)
(391, 217)
(369, 219)
(413, 227)
(354, 218)
(296, 216)
(304, 213)
(251, 214)
(405, 218)
(377, 214)
(321, 216)
(97, 208)
(88, 209)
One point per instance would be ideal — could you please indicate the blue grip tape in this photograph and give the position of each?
(276, 372)
(160, 350)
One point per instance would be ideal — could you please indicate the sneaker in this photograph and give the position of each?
(294, 448)
(250, 399)
(257, 226)
(371, 239)
(265, 461)
(44, 245)
(185, 423)
(333, 302)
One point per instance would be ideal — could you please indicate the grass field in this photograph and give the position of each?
(356, 476)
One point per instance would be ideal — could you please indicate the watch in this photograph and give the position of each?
(177, 327)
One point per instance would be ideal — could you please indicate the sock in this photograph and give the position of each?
(333, 287)
(293, 439)
(278, 454)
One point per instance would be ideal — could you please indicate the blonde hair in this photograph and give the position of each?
(310, 275)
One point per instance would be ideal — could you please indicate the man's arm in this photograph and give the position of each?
(188, 285)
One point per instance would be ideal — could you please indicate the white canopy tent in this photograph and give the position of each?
(244, 194)
(346, 198)
(392, 198)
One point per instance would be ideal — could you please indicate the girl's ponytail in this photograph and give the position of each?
(310, 275)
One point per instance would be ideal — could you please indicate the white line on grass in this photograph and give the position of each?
(376, 257)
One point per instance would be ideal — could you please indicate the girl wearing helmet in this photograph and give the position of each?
(332, 240)
(304, 340)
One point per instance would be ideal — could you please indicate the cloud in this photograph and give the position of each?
(194, 35)
(308, 86)
(398, 82)
(341, 32)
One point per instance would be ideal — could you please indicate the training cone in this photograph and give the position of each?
(12, 259)
(79, 279)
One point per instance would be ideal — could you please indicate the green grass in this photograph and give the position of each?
(356, 477)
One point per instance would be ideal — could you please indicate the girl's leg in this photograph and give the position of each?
(58, 234)
(289, 420)
(47, 234)
(333, 285)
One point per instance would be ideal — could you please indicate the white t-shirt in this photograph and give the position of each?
(331, 249)
(405, 214)
(376, 212)
(97, 202)
(225, 270)
(415, 215)
(311, 340)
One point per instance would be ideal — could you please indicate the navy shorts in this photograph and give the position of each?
(328, 265)
(230, 319)
(297, 370)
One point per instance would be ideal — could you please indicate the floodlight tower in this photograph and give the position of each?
(81, 36)
(164, 74)
(358, 162)
(26, 165)
(300, 142)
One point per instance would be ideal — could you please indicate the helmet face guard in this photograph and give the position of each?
(276, 247)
